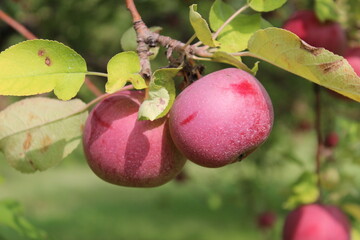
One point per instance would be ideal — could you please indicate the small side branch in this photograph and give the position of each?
(17, 26)
(320, 144)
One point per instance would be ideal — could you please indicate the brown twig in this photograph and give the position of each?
(91, 86)
(134, 12)
(17, 26)
(147, 39)
(320, 144)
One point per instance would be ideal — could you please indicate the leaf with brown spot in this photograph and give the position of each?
(286, 50)
(27, 142)
(31, 144)
(40, 66)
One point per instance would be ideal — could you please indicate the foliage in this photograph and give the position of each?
(36, 133)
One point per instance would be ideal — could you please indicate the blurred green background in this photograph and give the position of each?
(69, 202)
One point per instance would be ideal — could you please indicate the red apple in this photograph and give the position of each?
(124, 151)
(331, 140)
(353, 57)
(309, 28)
(266, 220)
(221, 118)
(316, 222)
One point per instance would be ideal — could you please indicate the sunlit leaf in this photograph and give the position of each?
(352, 209)
(161, 94)
(286, 50)
(201, 27)
(122, 68)
(40, 66)
(303, 191)
(37, 133)
(266, 5)
(234, 37)
(224, 57)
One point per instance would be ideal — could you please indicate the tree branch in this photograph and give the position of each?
(147, 39)
(134, 12)
(17, 26)
(320, 144)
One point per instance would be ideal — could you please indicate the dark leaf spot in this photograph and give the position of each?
(48, 61)
(32, 117)
(27, 142)
(189, 118)
(41, 52)
(45, 143)
(330, 67)
(313, 50)
(162, 101)
(32, 164)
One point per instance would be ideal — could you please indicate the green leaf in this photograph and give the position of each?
(286, 50)
(40, 66)
(219, 13)
(355, 234)
(128, 40)
(129, 43)
(201, 27)
(303, 191)
(266, 5)
(235, 36)
(124, 67)
(37, 133)
(161, 95)
(326, 10)
(12, 217)
(224, 57)
(265, 24)
(352, 209)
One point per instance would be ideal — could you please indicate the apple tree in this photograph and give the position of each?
(152, 120)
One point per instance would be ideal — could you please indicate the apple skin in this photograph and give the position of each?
(331, 140)
(328, 34)
(316, 222)
(127, 152)
(221, 118)
(266, 220)
(353, 57)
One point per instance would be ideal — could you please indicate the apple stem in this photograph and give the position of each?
(320, 144)
(242, 9)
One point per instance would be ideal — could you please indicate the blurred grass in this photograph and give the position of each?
(70, 202)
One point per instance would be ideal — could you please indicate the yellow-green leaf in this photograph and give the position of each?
(266, 5)
(286, 50)
(40, 66)
(161, 94)
(124, 67)
(234, 37)
(224, 57)
(37, 133)
(201, 27)
(352, 209)
(303, 191)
